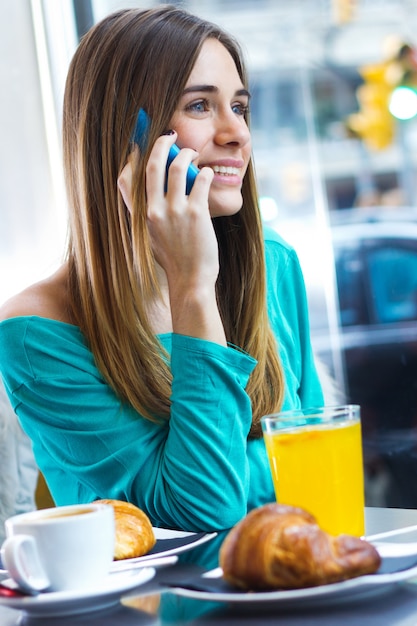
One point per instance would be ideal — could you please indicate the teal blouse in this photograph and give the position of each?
(198, 471)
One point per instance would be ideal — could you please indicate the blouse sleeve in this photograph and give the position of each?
(190, 472)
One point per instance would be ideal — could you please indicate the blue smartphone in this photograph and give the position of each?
(140, 136)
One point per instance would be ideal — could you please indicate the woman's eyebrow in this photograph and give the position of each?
(213, 89)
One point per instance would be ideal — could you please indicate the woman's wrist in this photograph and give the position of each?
(195, 313)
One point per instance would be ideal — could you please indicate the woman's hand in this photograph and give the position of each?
(183, 239)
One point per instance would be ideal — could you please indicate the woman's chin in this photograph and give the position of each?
(225, 204)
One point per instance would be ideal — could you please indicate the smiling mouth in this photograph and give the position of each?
(226, 171)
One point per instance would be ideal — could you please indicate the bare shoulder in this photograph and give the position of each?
(47, 298)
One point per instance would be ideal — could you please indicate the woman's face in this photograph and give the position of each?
(210, 119)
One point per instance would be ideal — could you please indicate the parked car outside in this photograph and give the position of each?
(373, 335)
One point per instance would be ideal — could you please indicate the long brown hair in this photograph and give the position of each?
(132, 59)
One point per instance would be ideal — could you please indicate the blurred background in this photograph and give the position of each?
(334, 123)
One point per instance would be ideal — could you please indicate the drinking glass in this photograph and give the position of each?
(316, 461)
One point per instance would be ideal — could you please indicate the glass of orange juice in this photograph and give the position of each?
(316, 463)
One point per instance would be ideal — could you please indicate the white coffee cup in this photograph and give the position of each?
(60, 549)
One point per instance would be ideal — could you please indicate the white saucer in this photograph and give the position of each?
(74, 602)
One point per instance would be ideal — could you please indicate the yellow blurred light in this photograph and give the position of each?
(373, 95)
(375, 128)
(344, 10)
(375, 73)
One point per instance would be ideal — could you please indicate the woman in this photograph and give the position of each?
(141, 369)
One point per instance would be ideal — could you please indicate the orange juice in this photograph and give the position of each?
(319, 468)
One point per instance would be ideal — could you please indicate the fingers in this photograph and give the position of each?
(175, 185)
(156, 166)
(179, 162)
(156, 174)
(203, 181)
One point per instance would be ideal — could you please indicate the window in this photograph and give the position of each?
(393, 279)
(351, 287)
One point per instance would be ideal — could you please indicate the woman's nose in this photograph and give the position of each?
(232, 129)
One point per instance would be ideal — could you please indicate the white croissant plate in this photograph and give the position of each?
(168, 542)
(355, 588)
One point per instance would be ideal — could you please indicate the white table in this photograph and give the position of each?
(396, 607)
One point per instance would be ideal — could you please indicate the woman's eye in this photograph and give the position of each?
(240, 109)
(198, 107)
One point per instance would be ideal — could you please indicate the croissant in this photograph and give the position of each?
(281, 547)
(134, 532)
